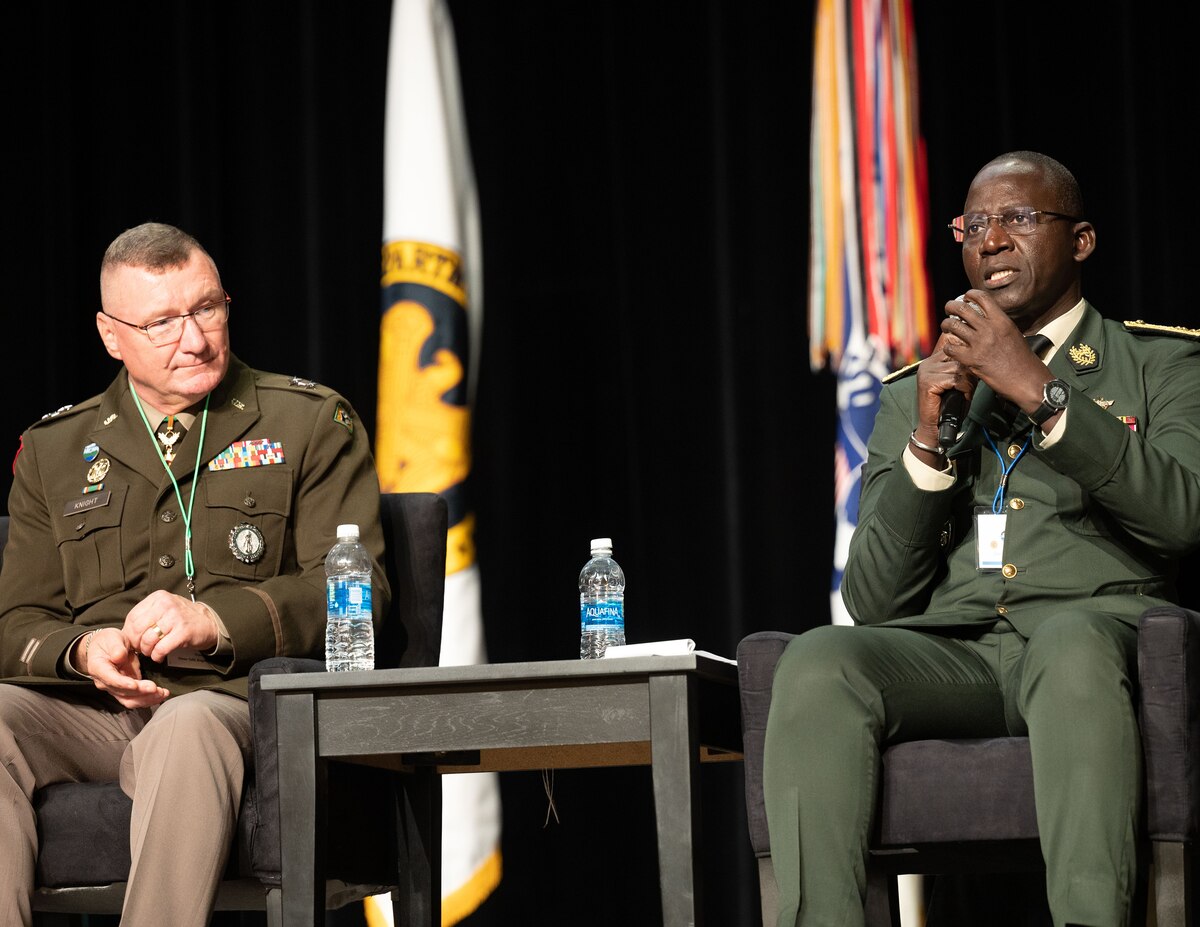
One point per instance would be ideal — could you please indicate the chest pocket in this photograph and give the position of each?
(260, 497)
(89, 545)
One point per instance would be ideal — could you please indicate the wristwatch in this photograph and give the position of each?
(1054, 399)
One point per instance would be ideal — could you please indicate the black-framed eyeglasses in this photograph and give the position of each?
(1019, 221)
(170, 329)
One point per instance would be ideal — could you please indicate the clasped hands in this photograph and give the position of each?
(978, 342)
(156, 627)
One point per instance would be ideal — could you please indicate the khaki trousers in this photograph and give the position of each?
(181, 762)
(843, 693)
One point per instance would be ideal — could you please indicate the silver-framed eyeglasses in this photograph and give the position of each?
(170, 329)
(1019, 221)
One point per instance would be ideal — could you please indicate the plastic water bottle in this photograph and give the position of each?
(601, 602)
(349, 634)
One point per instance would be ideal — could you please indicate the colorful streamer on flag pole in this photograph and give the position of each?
(429, 343)
(869, 300)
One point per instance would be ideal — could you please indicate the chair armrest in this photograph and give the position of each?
(757, 655)
(1169, 678)
(260, 837)
(360, 839)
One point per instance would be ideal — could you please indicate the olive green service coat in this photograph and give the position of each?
(80, 557)
(1098, 520)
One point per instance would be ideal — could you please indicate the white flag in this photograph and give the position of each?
(429, 345)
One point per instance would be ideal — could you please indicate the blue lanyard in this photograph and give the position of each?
(998, 498)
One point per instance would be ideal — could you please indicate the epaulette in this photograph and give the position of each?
(297, 384)
(1139, 327)
(901, 373)
(59, 411)
(66, 410)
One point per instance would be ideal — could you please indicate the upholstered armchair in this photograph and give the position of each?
(83, 828)
(955, 806)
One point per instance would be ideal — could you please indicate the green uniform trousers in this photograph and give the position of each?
(841, 694)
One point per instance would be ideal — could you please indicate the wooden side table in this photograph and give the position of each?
(670, 712)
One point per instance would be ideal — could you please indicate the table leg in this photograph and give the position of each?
(675, 758)
(302, 789)
(418, 900)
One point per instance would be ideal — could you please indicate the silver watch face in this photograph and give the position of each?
(1057, 393)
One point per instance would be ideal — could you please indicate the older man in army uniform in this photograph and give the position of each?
(997, 581)
(164, 536)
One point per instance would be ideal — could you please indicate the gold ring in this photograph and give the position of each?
(159, 631)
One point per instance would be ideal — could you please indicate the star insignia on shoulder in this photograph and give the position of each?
(303, 383)
(1082, 356)
(59, 411)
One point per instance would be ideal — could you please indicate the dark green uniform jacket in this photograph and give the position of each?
(79, 556)
(1096, 521)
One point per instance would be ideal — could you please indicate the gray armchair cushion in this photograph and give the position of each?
(83, 834)
(944, 791)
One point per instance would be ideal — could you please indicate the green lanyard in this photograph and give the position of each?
(188, 565)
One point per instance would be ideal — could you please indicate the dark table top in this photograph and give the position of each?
(498, 716)
(502, 673)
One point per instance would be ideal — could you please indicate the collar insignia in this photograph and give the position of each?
(1083, 356)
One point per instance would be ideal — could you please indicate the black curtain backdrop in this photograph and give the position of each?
(643, 174)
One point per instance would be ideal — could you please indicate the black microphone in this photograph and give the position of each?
(954, 403)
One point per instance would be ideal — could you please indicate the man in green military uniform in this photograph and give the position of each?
(164, 536)
(996, 582)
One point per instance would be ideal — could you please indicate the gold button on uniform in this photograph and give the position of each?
(1016, 504)
(166, 561)
(1013, 451)
(1009, 571)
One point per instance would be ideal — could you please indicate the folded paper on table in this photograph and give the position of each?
(662, 649)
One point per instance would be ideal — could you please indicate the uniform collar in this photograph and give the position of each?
(233, 410)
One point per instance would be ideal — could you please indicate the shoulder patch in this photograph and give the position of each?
(901, 373)
(342, 416)
(1139, 327)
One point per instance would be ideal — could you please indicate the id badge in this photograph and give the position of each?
(989, 539)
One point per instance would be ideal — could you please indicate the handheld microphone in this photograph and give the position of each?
(954, 403)
(950, 417)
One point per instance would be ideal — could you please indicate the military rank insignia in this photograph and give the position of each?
(1083, 356)
(259, 452)
(1149, 328)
